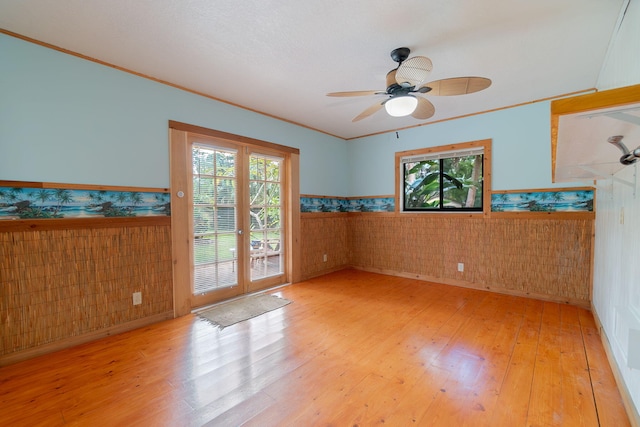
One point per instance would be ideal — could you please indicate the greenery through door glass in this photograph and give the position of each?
(265, 187)
(214, 204)
(450, 183)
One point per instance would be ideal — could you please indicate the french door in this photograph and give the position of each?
(232, 198)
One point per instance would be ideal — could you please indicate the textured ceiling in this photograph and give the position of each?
(281, 57)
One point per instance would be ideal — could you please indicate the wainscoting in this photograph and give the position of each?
(324, 234)
(549, 259)
(58, 284)
(62, 285)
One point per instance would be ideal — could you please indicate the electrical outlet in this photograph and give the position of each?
(460, 266)
(137, 298)
(324, 258)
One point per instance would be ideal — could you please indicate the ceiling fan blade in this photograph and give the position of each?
(413, 71)
(369, 111)
(357, 93)
(458, 86)
(424, 110)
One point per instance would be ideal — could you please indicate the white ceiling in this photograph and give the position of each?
(280, 57)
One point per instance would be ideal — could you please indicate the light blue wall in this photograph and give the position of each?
(521, 149)
(65, 119)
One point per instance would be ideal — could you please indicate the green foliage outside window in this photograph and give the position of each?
(445, 184)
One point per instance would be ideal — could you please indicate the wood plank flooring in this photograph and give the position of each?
(354, 348)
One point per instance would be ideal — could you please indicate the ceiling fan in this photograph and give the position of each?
(406, 81)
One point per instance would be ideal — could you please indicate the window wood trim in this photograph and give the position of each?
(235, 139)
(486, 167)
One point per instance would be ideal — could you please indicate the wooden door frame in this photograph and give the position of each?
(179, 152)
(241, 168)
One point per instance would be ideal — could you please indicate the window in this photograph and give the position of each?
(444, 179)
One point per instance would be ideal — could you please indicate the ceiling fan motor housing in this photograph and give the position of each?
(393, 88)
(400, 54)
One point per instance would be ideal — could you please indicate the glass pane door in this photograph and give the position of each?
(229, 213)
(215, 225)
(266, 216)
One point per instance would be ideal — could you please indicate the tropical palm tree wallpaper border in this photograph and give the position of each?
(543, 201)
(346, 204)
(36, 203)
(578, 200)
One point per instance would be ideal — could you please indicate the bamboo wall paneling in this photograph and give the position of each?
(60, 284)
(548, 259)
(547, 255)
(323, 234)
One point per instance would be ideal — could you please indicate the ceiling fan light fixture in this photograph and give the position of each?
(408, 79)
(400, 106)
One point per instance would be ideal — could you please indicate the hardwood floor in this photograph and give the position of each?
(354, 348)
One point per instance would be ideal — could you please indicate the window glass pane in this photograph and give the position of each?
(256, 192)
(443, 181)
(256, 168)
(257, 218)
(225, 191)
(257, 240)
(204, 250)
(204, 219)
(214, 218)
(202, 160)
(422, 184)
(273, 193)
(225, 164)
(273, 217)
(226, 219)
(274, 240)
(265, 216)
(203, 189)
(273, 170)
(226, 243)
(463, 183)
